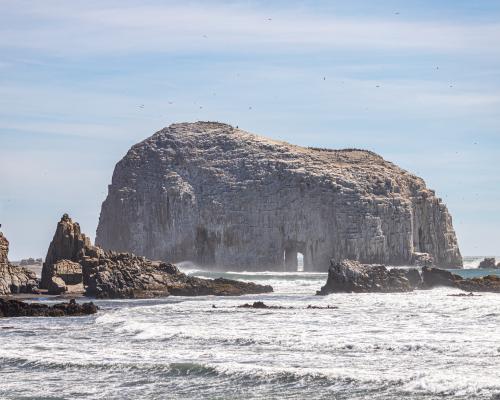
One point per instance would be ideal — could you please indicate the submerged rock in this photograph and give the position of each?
(352, 276)
(260, 305)
(223, 197)
(488, 263)
(108, 274)
(14, 279)
(15, 308)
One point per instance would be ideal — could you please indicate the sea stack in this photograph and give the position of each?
(222, 197)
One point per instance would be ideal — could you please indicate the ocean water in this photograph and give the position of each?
(420, 345)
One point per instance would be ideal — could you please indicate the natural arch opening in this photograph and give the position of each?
(300, 262)
(294, 257)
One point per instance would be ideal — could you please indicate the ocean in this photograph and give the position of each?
(419, 345)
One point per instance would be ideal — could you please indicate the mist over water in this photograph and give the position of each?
(420, 345)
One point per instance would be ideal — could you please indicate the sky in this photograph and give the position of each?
(81, 81)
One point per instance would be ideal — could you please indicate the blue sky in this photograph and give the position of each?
(416, 81)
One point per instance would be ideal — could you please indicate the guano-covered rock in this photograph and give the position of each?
(222, 197)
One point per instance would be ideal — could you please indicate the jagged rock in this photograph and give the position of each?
(422, 259)
(219, 196)
(57, 286)
(109, 274)
(489, 283)
(15, 308)
(488, 263)
(14, 279)
(352, 276)
(68, 271)
(68, 244)
(435, 277)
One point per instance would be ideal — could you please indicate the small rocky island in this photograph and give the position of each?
(489, 263)
(350, 276)
(74, 265)
(226, 198)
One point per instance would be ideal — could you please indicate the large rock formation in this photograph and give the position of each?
(14, 279)
(72, 261)
(349, 276)
(225, 198)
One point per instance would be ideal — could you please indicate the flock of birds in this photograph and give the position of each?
(141, 106)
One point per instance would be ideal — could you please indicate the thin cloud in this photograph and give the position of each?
(89, 28)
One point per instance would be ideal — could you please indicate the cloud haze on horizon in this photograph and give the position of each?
(418, 83)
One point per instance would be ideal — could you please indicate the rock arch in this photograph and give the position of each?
(229, 199)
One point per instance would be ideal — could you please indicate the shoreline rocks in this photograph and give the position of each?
(15, 308)
(14, 279)
(350, 276)
(488, 263)
(109, 274)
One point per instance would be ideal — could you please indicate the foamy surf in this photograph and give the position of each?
(420, 345)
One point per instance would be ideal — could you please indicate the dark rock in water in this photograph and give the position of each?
(464, 295)
(488, 263)
(260, 305)
(435, 277)
(14, 279)
(108, 274)
(352, 276)
(489, 283)
(414, 277)
(15, 308)
(310, 307)
(222, 197)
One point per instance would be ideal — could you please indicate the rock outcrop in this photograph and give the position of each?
(488, 263)
(109, 274)
(350, 276)
(14, 279)
(225, 198)
(68, 244)
(15, 308)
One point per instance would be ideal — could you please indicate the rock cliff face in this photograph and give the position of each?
(14, 279)
(222, 197)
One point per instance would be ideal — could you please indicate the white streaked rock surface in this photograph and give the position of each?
(220, 196)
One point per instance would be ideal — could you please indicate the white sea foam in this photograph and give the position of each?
(422, 345)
